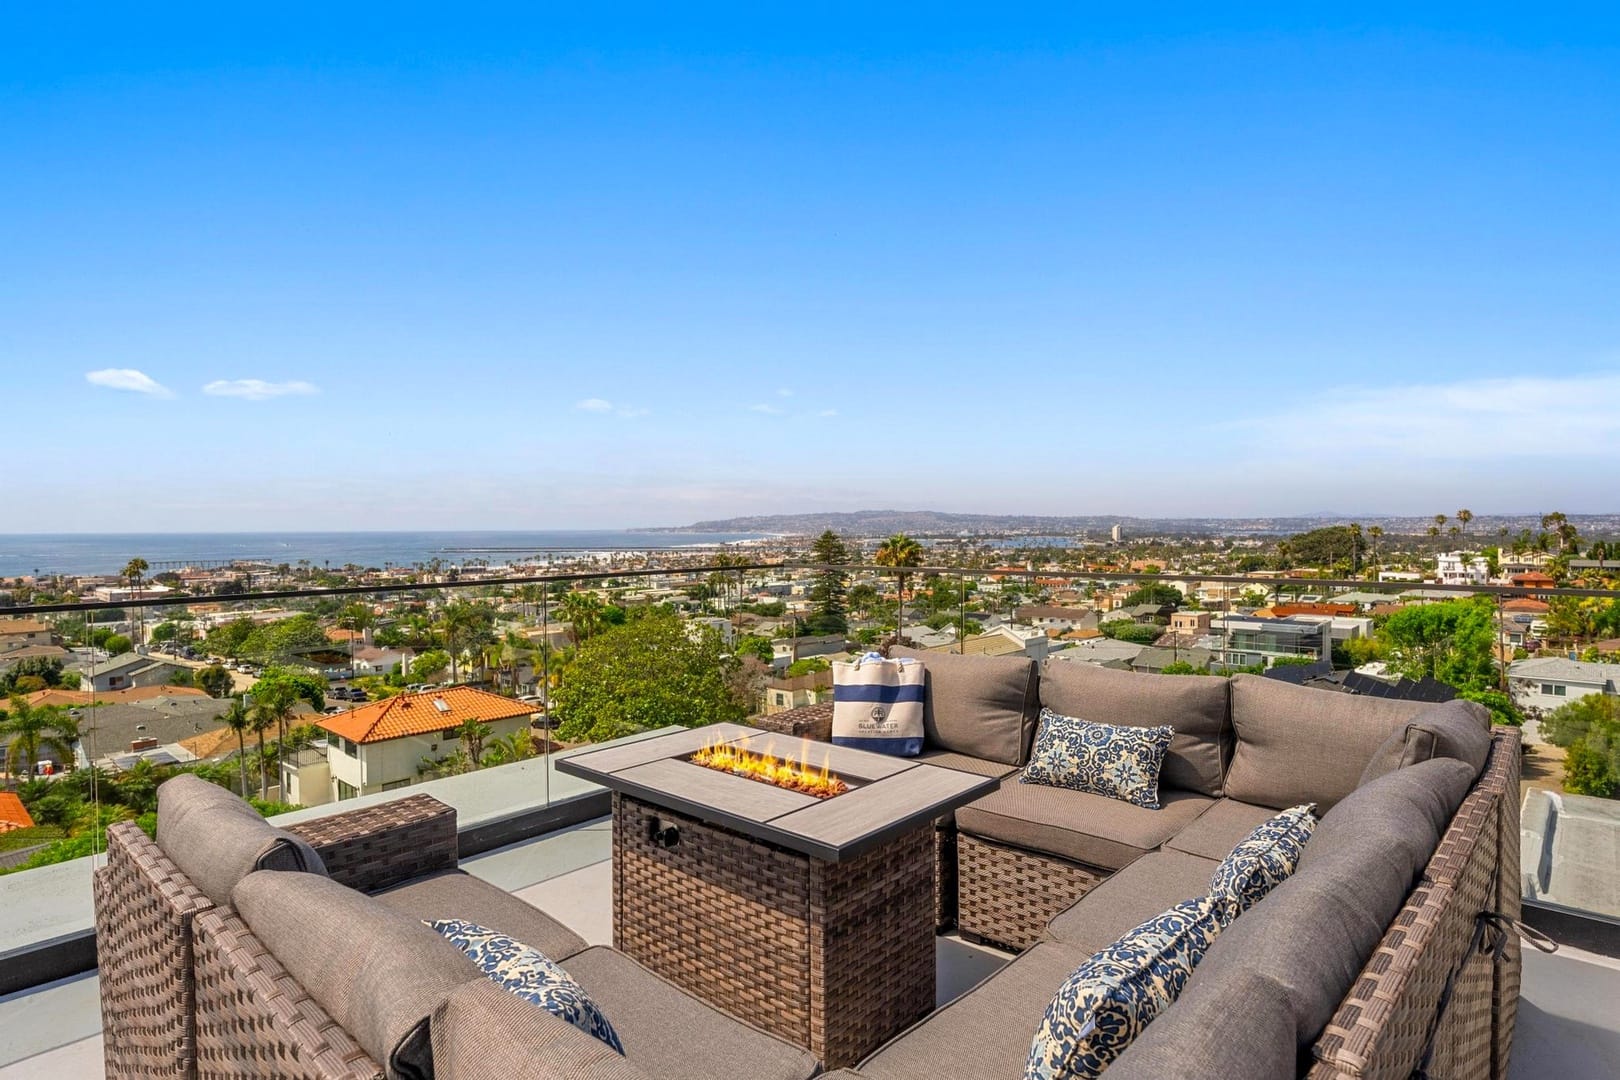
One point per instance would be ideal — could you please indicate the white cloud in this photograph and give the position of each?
(784, 393)
(601, 405)
(767, 409)
(828, 412)
(258, 389)
(138, 382)
(1570, 416)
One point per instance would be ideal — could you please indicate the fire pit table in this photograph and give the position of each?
(809, 915)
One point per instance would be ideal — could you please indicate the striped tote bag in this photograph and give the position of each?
(878, 705)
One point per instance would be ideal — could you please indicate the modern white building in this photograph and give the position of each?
(1546, 682)
(381, 746)
(1461, 568)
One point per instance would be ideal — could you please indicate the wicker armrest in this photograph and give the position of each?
(254, 1019)
(378, 846)
(145, 907)
(806, 722)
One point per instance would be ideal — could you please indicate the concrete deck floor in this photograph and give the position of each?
(1569, 1010)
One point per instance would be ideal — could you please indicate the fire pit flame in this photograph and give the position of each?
(792, 773)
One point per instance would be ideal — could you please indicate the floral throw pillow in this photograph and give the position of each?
(1101, 1008)
(529, 974)
(1119, 762)
(1262, 860)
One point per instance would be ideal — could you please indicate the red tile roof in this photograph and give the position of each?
(417, 714)
(13, 814)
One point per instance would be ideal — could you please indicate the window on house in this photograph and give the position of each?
(1554, 689)
(346, 791)
(392, 784)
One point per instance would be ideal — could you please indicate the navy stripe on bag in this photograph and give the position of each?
(888, 695)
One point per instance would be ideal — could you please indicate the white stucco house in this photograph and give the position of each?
(1546, 682)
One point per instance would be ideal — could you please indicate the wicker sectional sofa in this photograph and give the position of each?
(1389, 949)
(1342, 972)
(216, 961)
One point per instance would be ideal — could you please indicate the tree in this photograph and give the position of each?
(117, 644)
(831, 585)
(899, 551)
(47, 670)
(429, 667)
(237, 719)
(214, 680)
(648, 673)
(1464, 517)
(275, 697)
(472, 734)
(134, 571)
(1589, 728)
(1126, 630)
(582, 611)
(1452, 642)
(1155, 593)
(1377, 534)
(755, 645)
(29, 729)
(863, 600)
(809, 665)
(1327, 546)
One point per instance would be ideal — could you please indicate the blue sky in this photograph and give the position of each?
(388, 268)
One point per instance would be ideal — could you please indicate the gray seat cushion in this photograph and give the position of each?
(1077, 825)
(1276, 976)
(982, 706)
(1298, 744)
(485, 1030)
(670, 1034)
(377, 972)
(1215, 832)
(985, 1032)
(1195, 707)
(950, 759)
(216, 838)
(456, 894)
(1455, 729)
(1152, 884)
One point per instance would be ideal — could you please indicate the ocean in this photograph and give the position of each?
(96, 553)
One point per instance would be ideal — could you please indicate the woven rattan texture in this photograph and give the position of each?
(1382, 1026)
(815, 722)
(255, 1020)
(833, 957)
(1006, 896)
(1503, 773)
(144, 912)
(805, 722)
(377, 846)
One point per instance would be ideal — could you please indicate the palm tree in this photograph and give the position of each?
(237, 719)
(582, 611)
(1377, 534)
(32, 728)
(899, 551)
(473, 735)
(134, 571)
(273, 703)
(1465, 516)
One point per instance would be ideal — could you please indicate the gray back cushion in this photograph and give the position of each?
(216, 838)
(1273, 980)
(1194, 705)
(1298, 744)
(982, 706)
(1454, 729)
(378, 973)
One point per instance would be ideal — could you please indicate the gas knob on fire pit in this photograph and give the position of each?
(664, 834)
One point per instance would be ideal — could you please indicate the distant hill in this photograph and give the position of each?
(935, 523)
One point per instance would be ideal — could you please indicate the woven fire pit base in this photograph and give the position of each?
(833, 957)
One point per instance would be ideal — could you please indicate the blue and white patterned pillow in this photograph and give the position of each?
(529, 974)
(1263, 860)
(1111, 998)
(1119, 762)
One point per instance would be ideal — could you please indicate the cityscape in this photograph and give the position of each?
(633, 543)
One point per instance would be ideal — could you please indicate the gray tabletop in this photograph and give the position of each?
(889, 794)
